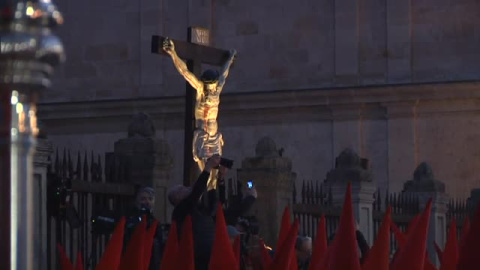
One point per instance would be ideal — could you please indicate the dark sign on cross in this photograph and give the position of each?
(201, 95)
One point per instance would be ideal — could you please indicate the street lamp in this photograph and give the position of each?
(29, 52)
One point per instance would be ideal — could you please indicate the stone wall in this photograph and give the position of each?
(298, 45)
(349, 57)
(396, 128)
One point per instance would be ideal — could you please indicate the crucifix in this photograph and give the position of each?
(202, 95)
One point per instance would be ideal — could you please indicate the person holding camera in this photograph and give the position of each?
(143, 208)
(235, 216)
(239, 204)
(186, 201)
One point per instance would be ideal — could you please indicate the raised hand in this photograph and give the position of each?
(212, 163)
(168, 46)
(251, 192)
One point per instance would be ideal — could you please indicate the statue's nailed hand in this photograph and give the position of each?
(168, 46)
(233, 54)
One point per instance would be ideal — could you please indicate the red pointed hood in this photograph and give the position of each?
(379, 256)
(402, 238)
(222, 256)
(284, 254)
(186, 261)
(399, 235)
(450, 255)
(149, 242)
(428, 265)
(294, 261)
(345, 253)
(469, 251)
(439, 251)
(319, 246)
(284, 226)
(134, 255)
(65, 262)
(412, 254)
(169, 259)
(79, 262)
(465, 230)
(110, 259)
(325, 262)
(412, 223)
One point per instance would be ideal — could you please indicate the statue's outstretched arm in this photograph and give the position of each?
(169, 48)
(226, 68)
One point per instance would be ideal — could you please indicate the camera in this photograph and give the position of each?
(227, 163)
(105, 221)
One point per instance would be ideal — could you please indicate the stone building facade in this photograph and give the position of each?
(396, 81)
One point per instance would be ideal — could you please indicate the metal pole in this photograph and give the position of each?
(23, 140)
(5, 123)
(29, 51)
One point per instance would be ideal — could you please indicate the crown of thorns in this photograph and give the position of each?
(210, 76)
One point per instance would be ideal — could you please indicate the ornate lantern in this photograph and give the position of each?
(29, 52)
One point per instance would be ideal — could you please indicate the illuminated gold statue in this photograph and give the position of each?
(207, 141)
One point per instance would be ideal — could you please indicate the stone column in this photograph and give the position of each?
(349, 167)
(273, 178)
(425, 186)
(148, 159)
(41, 161)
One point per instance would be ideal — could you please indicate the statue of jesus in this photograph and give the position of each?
(207, 141)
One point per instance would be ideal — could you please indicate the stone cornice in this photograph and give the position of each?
(309, 104)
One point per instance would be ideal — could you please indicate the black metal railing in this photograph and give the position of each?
(74, 195)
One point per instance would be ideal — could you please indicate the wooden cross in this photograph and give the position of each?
(196, 53)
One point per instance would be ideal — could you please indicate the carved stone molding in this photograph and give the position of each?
(377, 102)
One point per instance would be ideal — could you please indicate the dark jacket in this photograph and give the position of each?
(304, 265)
(203, 224)
(237, 205)
(362, 245)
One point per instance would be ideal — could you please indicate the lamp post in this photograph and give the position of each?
(29, 52)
